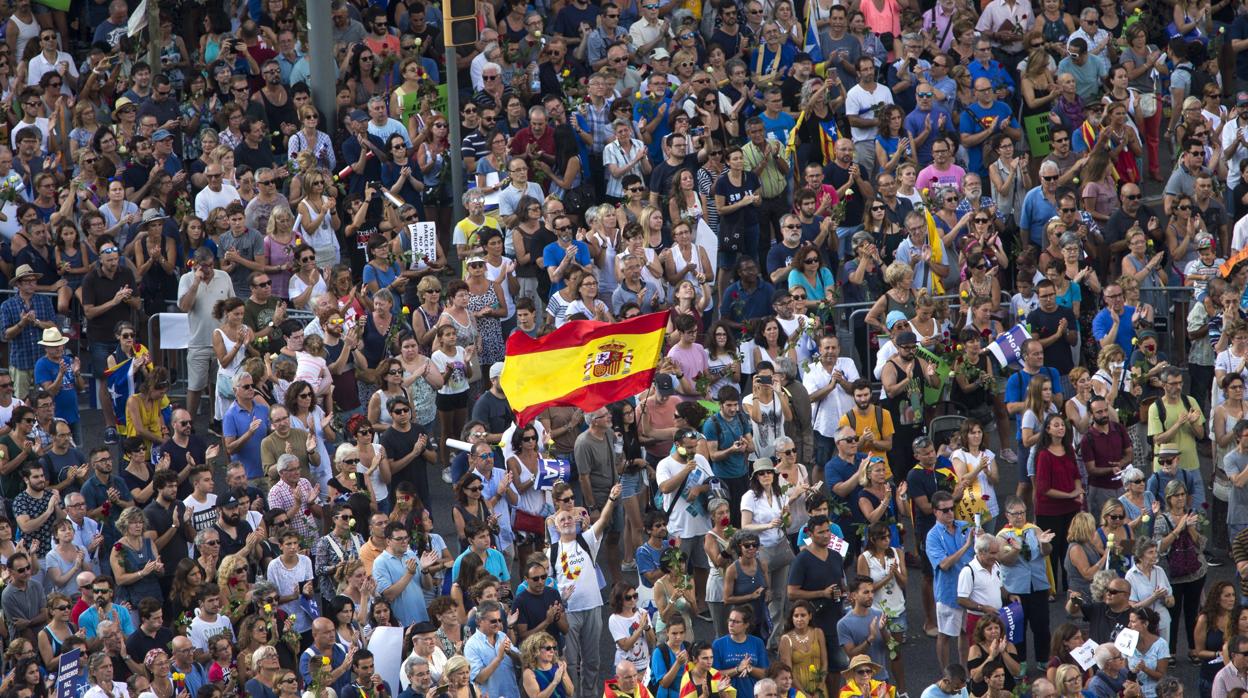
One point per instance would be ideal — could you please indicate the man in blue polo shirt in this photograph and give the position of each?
(1115, 323)
(949, 548)
(1016, 389)
(245, 424)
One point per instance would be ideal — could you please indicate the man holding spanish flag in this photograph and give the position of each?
(585, 364)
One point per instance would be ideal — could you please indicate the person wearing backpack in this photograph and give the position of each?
(572, 564)
(729, 438)
(1176, 418)
(668, 661)
(684, 483)
(1181, 546)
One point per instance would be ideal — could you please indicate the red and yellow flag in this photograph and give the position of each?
(586, 364)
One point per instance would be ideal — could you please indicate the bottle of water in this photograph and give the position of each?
(535, 80)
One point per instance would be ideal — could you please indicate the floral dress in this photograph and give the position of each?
(489, 328)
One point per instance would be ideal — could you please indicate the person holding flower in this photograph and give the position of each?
(673, 592)
(1115, 537)
(765, 511)
(333, 550)
(804, 649)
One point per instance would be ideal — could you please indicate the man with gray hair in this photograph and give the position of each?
(1040, 688)
(1040, 204)
(595, 454)
(244, 426)
(1112, 679)
(267, 200)
(380, 124)
(535, 142)
(980, 589)
(1235, 674)
(766, 688)
(419, 676)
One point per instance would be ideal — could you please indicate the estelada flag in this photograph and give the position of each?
(585, 364)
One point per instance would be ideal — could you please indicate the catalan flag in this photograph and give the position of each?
(121, 384)
(586, 364)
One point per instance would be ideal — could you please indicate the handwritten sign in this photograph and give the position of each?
(71, 675)
(839, 545)
(1126, 641)
(1085, 655)
(424, 241)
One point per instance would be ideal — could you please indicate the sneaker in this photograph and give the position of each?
(630, 566)
(1009, 456)
(705, 615)
(446, 475)
(1214, 561)
(110, 436)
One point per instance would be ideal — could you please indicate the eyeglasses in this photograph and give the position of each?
(478, 488)
(489, 78)
(1049, 178)
(943, 510)
(981, 221)
(1111, 592)
(630, 597)
(1115, 517)
(749, 546)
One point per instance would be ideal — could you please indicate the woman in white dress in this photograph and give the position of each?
(318, 219)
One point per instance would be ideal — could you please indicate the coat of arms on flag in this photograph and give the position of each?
(608, 360)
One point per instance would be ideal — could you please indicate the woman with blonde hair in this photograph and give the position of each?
(899, 296)
(456, 680)
(309, 138)
(317, 218)
(1083, 560)
(1068, 680)
(545, 673)
(136, 566)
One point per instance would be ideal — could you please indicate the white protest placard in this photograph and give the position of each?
(491, 199)
(386, 644)
(839, 545)
(1126, 641)
(424, 240)
(1085, 655)
(706, 237)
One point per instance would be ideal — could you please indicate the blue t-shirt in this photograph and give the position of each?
(1102, 323)
(724, 433)
(383, 277)
(495, 564)
(659, 664)
(235, 423)
(779, 126)
(65, 403)
(976, 119)
(648, 561)
(853, 629)
(729, 654)
(553, 254)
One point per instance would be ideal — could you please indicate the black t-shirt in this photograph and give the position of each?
(837, 176)
(177, 459)
(98, 289)
(921, 482)
(232, 544)
(531, 610)
(1044, 324)
(160, 519)
(139, 644)
(398, 444)
(809, 573)
(255, 158)
(662, 174)
(1103, 623)
(494, 411)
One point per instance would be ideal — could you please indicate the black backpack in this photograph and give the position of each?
(668, 658)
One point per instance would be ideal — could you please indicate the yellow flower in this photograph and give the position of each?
(1146, 518)
(351, 523)
(324, 661)
(419, 41)
(1135, 341)
(638, 94)
(965, 295)
(566, 72)
(926, 191)
(1021, 312)
(268, 608)
(958, 347)
(813, 668)
(407, 310)
(537, 34)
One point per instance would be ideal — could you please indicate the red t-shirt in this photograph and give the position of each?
(1055, 473)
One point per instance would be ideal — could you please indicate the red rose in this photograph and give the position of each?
(985, 497)
(307, 512)
(672, 542)
(117, 547)
(233, 581)
(107, 506)
(986, 334)
(724, 521)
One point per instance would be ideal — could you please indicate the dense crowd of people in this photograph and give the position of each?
(245, 376)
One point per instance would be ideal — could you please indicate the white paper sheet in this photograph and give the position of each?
(386, 644)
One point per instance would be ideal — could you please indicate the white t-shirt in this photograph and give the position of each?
(859, 102)
(771, 428)
(765, 510)
(621, 627)
(203, 515)
(287, 581)
(687, 520)
(458, 382)
(379, 488)
(980, 585)
(826, 414)
(574, 570)
(202, 632)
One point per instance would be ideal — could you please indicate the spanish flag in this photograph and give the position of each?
(586, 364)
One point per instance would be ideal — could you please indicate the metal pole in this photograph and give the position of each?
(452, 118)
(153, 35)
(321, 57)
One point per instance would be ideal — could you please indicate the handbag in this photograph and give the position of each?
(1146, 104)
(225, 385)
(529, 523)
